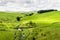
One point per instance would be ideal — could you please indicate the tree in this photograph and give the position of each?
(44, 11)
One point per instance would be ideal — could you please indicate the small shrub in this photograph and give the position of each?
(31, 24)
(43, 34)
(18, 18)
(40, 29)
(33, 38)
(2, 29)
(30, 14)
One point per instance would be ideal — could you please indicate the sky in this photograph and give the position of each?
(28, 5)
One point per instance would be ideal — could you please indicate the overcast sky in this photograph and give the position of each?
(28, 5)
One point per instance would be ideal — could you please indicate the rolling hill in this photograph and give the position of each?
(44, 26)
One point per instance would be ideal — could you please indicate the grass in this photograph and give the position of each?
(6, 35)
(47, 26)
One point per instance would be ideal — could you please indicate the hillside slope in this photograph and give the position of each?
(44, 26)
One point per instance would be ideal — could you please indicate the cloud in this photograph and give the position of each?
(28, 5)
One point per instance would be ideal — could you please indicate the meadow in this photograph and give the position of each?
(45, 26)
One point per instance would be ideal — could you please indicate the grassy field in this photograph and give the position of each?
(45, 26)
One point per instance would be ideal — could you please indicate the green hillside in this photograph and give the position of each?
(45, 26)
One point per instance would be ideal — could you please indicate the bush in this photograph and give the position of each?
(18, 18)
(31, 24)
(30, 14)
(44, 11)
(2, 29)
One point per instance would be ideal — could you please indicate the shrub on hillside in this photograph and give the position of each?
(29, 14)
(2, 29)
(18, 18)
(31, 24)
(44, 11)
